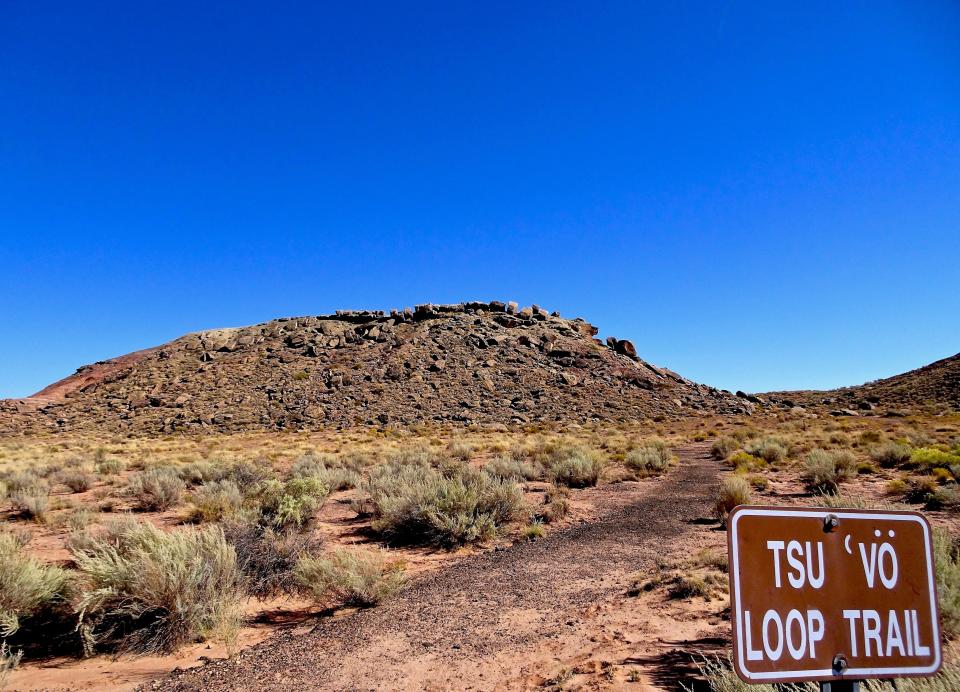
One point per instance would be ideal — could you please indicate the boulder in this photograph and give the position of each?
(626, 348)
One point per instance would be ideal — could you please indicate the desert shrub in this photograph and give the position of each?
(197, 472)
(311, 465)
(267, 558)
(942, 475)
(688, 586)
(734, 491)
(77, 480)
(156, 489)
(417, 503)
(358, 577)
(509, 468)
(758, 482)
(290, 505)
(744, 462)
(940, 498)
(109, 466)
(461, 450)
(769, 449)
(576, 467)
(216, 501)
(79, 519)
(931, 457)
(147, 591)
(556, 504)
(896, 486)
(9, 660)
(533, 530)
(245, 474)
(869, 437)
(723, 447)
(340, 478)
(650, 459)
(947, 561)
(32, 502)
(824, 471)
(27, 587)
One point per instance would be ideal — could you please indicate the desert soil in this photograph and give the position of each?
(525, 616)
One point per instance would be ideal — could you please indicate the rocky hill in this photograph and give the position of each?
(935, 386)
(465, 363)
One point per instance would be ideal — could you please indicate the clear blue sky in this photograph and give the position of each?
(760, 195)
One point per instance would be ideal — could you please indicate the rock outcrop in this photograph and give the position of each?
(476, 362)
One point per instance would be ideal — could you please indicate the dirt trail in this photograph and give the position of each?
(505, 619)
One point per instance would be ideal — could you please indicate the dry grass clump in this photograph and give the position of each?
(216, 501)
(420, 504)
(76, 480)
(147, 591)
(734, 491)
(27, 587)
(534, 530)
(357, 577)
(31, 501)
(267, 558)
(576, 467)
(723, 447)
(156, 489)
(556, 504)
(744, 462)
(652, 458)
(109, 466)
(824, 471)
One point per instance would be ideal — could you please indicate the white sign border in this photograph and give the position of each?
(829, 672)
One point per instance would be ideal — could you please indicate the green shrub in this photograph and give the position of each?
(266, 558)
(891, 454)
(734, 491)
(651, 459)
(744, 462)
(723, 447)
(769, 449)
(533, 530)
(931, 457)
(508, 468)
(290, 505)
(77, 480)
(824, 471)
(215, 501)
(27, 587)
(358, 577)
(417, 503)
(156, 489)
(148, 591)
(576, 467)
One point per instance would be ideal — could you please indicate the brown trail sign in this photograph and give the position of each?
(821, 594)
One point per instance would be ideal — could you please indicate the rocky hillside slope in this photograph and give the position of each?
(934, 387)
(465, 363)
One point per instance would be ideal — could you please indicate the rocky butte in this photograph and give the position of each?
(468, 363)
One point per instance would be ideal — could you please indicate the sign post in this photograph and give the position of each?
(834, 596)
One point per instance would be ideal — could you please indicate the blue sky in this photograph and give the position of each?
(761, 195)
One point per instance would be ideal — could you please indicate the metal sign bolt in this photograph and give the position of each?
(839, 663)
(830, 522)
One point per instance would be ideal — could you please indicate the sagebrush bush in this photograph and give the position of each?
(109, 466)
(267, 558)
(27, 587)
(931, 457)
(215, 501)
(156, 489)
(734, 491)
(32, 501)
(417, 503)
(77, 480)
(147, 591)
(744, 462)
(723, 447)
(508, 468)
(947, 561)
(824, 471)
(576, 467)
(197, 472)
(652, 458)
(290, 505)
(357, 577)
(311, 465)
(770, 449)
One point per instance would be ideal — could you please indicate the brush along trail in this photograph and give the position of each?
(508, 618)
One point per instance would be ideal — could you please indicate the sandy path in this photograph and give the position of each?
(498, 620)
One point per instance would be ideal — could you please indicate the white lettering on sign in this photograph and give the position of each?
(801, 571)
(798, 632)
